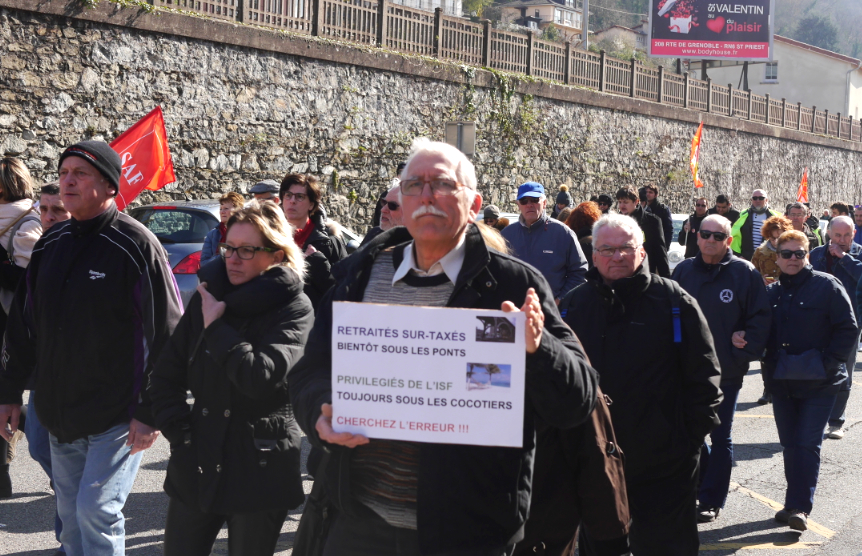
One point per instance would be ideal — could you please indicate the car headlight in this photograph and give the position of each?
(675, 256)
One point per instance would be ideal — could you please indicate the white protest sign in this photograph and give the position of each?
(427, 374)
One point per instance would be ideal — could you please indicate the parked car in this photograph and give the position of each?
(676, 252)
(182, 226)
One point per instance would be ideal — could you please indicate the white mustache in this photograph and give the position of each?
(428, 209)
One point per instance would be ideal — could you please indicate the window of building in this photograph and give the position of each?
(568, 19)
(538, 16)
(640, 40)
(577, 20)
(570, 3)
(771, 72)
(558, 16)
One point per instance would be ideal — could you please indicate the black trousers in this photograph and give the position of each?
(190, 532)
(371, 536)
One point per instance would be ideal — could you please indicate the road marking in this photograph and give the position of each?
(812, 525)
(786, 545)
(753, 416)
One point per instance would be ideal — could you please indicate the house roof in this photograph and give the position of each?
(527, 3)
(621, 28)
(818, 50)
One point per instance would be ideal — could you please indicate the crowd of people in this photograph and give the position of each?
(94, 328)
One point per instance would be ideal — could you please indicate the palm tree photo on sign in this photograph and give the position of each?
(481, 376)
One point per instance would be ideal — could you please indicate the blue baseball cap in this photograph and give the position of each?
(531, 189)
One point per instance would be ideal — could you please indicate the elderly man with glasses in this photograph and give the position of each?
(733, 298)
(746, 232)
(547, 244)
(390, 214)
(652, 347)
(688, 234)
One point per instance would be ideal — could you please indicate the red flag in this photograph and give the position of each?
(695, 155)
(146, 158)
(802, 193)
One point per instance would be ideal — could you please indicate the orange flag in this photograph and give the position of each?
(802, 193)
(695, 155)
(146, 158)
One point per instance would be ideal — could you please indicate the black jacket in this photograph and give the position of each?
(470, 497)
(664, 394)
(663, 212)
(732, 297)
(732, 214)
(237, 449)
(654, 243)
(690, 239)
(810, 310)
(330, 250)
(96, 307)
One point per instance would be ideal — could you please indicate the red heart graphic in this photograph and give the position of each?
(716, 25)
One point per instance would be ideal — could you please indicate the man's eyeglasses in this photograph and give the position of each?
(245, 252)
(787, 254)
(758, 198)
(391, 205)
(439, 187)
(719, 236)
(625, 251)
(528, 200)
(300, 197)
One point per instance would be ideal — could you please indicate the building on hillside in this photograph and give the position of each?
(450, 7)
(635, 37)
(799, 72)
(538, 14)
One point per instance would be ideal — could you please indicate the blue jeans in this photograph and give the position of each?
(716, 460)
(40, 451)
(92, 479)
(800, 423)
(839, 415)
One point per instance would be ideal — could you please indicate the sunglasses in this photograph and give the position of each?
(528, 200)
(700, 205)
(391, 205)
(787, 254)
(719, 236)
(603, 204)
(758, 198)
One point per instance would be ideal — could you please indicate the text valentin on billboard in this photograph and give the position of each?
(453, 376)
(711, 29)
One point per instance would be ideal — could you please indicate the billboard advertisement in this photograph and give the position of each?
(711, 29)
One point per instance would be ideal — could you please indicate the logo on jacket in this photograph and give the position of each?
(96, 275)
(726, 296)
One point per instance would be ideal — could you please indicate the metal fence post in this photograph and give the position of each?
(530, 38)
(799, 119)
(784, 112)
(486, 44)
(240, 9)
(382, 9)
(660, 84)
(632, 85)
(316, 18)
(709, 94)
(851, 128)
(826, 123)
(768, 109)
(603, 72)
(730, 99)
(438, 31)
(813, 118)
(567, 72)
(838, 133)
(750, 105)
(685, 88)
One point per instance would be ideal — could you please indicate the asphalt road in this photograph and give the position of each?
(745, 526)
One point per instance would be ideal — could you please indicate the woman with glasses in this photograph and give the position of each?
(813, 329)
(766, 255)
(235, 451)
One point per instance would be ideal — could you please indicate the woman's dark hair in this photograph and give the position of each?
(15, 180)
(312, 189)
(627, 193)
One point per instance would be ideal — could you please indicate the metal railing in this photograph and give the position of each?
(413, 31)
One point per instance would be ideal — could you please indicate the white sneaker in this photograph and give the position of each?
(860, 347)
(834, 432)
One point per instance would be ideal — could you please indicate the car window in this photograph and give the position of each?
(176, 225)
(677, 226)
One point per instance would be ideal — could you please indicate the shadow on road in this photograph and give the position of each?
(748, 452)
(765, 531)
(745, 406)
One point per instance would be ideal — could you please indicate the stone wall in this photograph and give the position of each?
(237, 114)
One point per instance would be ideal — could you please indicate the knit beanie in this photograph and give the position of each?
(563, 196)
(101, 156)
(492, 211)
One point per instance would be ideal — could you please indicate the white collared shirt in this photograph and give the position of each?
(450, 264)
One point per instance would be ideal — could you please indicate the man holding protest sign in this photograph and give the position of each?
(430, 497)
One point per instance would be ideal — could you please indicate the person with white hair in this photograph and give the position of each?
(409, 498)
(842, 258)
(732, 296)
(651, 345)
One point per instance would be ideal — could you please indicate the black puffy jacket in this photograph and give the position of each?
(237, 449)
(330, 250)
(469, 497)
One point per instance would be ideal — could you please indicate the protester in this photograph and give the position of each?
(491, 215)
(90, 328)
(407, 498)
(547, 244)
(839, 209)
(764, 258)
(390, 215)
(840, 257)
(51, 208)
(564, 214)
(660, 370)
(266, 190)
(813, 330)
(857, 233)
(731, 294)
(747, 230)
(564, 200)
(798, 214)
(235, 453)
(656, 248)
(581, 222)
(662, 211)
(228, 204)
(723, 207)
(688, 235)
(605, 203)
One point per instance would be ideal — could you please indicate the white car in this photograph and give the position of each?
(676, 252)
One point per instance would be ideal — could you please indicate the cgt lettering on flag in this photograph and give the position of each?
(145, 156)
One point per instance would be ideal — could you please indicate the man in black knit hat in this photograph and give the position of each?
(95, 308)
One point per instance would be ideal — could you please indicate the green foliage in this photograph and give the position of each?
(817, 31)
(551, 34)
(621, 50)
(475, 7)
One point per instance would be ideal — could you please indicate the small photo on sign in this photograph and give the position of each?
(484, 376)
(495, 329)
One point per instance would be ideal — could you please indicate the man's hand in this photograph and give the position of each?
(211, 307)
(738, 339)
(9, 413)
(535, 318)
(326, 434)
(836, 251)
(310, 250)
(141, 436)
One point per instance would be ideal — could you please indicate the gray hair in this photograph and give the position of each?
(622, 222)
(843, 218)
(797, 205)
(464, 170)
(720, 220)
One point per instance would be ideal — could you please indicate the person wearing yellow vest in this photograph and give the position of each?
(746, 230)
